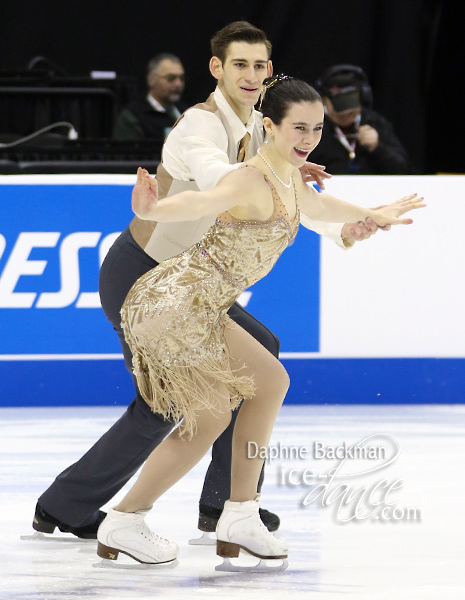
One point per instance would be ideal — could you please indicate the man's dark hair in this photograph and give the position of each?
(239, 31)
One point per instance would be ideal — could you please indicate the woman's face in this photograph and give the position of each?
(299, 132)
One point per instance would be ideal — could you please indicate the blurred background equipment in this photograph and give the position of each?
(412, 53)
(35, 100)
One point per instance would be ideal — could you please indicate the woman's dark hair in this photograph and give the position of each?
(280, 91)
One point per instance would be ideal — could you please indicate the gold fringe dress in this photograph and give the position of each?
(174, 316)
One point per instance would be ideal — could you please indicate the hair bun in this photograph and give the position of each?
(269, 83)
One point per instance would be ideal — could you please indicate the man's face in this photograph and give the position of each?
(344, 118)
(166, 83)
(241, 75)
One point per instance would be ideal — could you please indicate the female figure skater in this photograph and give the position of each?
(193, 364)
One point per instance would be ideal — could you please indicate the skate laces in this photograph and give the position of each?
(144, 529)
(261, 524)
(268, 533)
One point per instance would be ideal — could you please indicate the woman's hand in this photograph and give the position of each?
(144, 195)
(389, 215)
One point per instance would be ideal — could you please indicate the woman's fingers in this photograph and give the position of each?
(409, 200)
(154, 188)
(406, 204)
(405, 200)
(143, 176)
(148, 181)
(400, 207)
(411, 206)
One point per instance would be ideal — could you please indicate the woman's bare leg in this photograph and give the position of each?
(177, 455)
(257, 415)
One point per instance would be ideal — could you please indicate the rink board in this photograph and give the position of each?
(379, 323)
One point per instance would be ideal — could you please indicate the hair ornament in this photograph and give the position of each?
(270, 82)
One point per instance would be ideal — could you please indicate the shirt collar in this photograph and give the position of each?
(237, 126)
(156, 105)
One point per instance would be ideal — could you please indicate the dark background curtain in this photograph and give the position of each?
(411, 50)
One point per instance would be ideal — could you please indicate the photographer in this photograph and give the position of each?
(356, 139)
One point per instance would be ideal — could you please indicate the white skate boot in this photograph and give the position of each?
(240, 528)
(129, 534)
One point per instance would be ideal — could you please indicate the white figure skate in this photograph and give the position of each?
(129, 534)
(240, 528)
(208, 520)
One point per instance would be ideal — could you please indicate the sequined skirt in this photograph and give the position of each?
(174, 320)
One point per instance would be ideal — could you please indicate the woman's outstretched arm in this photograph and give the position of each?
(323, 207)
(235, 189)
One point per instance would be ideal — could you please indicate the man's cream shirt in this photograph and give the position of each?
(201, 149)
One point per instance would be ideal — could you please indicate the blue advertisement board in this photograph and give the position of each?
(53, 240)
(53, 332)
(58, 348)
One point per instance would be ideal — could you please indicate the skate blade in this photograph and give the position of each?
(205, 540)
(38, 536)
(106, 563)
(273, 565)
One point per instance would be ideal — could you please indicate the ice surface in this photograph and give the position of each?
(361, 559)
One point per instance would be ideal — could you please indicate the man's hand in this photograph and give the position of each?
(385, 227)
(313, 172)
(368, 137)
(356, 232)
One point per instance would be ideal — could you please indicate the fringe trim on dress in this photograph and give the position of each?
(179, 391)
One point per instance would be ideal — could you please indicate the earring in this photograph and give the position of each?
(267, 142)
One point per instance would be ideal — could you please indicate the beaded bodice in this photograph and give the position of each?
(245, 251)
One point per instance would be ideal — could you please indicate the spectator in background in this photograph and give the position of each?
(152, 117)
(356, 140)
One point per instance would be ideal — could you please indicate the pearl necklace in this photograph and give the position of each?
(286, 185)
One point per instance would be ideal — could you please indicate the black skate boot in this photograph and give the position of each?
(45, 523)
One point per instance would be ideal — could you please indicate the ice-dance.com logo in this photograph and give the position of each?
(351, 485)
